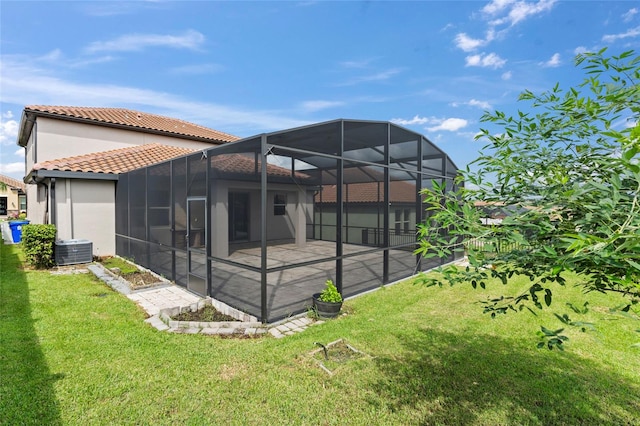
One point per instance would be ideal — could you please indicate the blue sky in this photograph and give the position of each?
(252, 67)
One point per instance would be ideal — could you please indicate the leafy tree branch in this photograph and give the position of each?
(566, 168)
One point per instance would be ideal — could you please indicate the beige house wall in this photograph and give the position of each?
(13, 204)
(291, 225)
(85, 209)
(60, 138)
(36, 203)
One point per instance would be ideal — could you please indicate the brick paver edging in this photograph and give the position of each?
(248, 325)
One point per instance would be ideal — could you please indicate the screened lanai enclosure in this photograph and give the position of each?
(260, 224)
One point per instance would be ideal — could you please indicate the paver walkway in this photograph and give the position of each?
(155, 299)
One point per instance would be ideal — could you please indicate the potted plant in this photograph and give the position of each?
(329, 302)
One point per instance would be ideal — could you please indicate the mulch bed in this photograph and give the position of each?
(206, 314)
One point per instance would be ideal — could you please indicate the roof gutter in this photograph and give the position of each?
(27, 121)
(36, 176)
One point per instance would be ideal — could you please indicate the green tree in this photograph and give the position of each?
(567, 168)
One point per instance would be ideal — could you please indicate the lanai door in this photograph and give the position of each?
(197, 245)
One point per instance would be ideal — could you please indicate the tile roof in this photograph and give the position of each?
(241, 164)
(135, 119)
(115, 161)
(12, 183)
(370, 192)
(130, 158)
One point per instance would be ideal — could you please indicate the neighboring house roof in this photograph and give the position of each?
(369, 192)
(241, 164)
(115, 161)
(123, 118)
(12, 183)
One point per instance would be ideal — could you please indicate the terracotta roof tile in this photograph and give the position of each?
(12, 183)
(370, 192)
(115, 161)
(136, 119)
(126, 159)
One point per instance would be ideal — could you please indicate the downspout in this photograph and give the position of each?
(45, 218)
(52, 193)
(69, 203)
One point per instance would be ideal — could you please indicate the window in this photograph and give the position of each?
(401, 222)
(22, 201)
(407, 215)
(398, 221)
(3, 206)
(279, 204)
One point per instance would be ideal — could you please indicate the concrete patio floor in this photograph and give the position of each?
(289, 290)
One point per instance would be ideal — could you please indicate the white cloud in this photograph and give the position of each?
(8, 129)
(380, 76)
(580, 49)
(479, 104)
(473, 103)
(449, 124)
(610, 38)
(7, 168)
(496, 6)
(313, 106)
(506, 75)
(23, 83)
(79, 63)
(56, 57)
(19, 151)
(517, 11)
(629, 15)
(52, 56)
(486, 61)
(468, 44)
(190, 39)
(415, 120)
(553, 62)
(446, 27)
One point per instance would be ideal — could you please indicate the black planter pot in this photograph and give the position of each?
(326, 309)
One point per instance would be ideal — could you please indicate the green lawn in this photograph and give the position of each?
(74, 352)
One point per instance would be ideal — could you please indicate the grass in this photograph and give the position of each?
(125, 267)
(71, 355)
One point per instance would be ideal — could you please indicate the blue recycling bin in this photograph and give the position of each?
(16, 229)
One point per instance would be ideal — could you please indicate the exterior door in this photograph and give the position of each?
(238, 216)
(197, 245)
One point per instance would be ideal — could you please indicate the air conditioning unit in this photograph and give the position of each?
(71, 252)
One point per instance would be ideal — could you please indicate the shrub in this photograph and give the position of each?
(38, 242)
(330, 293)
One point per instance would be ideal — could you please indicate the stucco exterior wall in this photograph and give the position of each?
(37, 204)
(13, 204)
(60, 139)
(290, 226)
(85, 209)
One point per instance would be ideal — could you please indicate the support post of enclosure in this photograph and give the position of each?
(263, 228)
